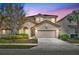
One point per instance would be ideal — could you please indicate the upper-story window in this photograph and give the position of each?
(39, 19)
(50, 19)
(53, 20)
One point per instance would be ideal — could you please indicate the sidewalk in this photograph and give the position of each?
(18, 44)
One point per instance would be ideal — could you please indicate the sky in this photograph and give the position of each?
(59, 9)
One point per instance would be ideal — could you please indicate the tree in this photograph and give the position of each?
(74, 16)
(15, 16)
(2, 16)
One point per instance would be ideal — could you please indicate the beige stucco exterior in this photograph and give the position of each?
(45, 26)
(40, 19)
(26, 28)
(50, 28)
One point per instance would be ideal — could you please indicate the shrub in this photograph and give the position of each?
(19, 36)
(64, 37)
(4, 41)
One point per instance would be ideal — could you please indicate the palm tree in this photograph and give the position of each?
(74, 16)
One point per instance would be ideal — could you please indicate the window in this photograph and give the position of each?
(39, 19)
(53, 20)
(73, 35)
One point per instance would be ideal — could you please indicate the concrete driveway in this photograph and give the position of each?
(54, 44)
(46, 46)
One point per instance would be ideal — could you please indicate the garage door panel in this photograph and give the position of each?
(46, 34)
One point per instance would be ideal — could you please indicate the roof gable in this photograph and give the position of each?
(46, 21)
(44, 15)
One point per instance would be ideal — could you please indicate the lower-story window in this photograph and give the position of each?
(73, 35)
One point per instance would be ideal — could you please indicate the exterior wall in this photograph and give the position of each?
(28, 24)
(46, 26)
(40, 19)
(28, 30)
(65, 28)
(31, 19)
(4, 32)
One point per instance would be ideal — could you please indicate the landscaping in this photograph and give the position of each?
(18, 38)
(66, 37)
(74, 40)
(18, 41)
(16, 46)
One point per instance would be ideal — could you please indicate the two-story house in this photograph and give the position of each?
(44, 26)
(41, 26)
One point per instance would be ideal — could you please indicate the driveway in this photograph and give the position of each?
(46, 46)
(54, 44)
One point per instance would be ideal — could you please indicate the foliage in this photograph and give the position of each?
(19, 38)
(64, 37)
(74, 40)
(12, 15)
(14, 38)
(74, 16)
(16, 46)
(5, 41)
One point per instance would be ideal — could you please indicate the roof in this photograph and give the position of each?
(5, 28)
(43, 15)
(72, 26)
(46, 21)
(30, 21)
(62, 19)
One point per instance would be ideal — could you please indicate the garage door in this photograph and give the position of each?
(46, 34)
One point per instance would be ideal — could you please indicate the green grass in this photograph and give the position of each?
(19, 41)
(19, 38)
(74, 40)
(16, 46)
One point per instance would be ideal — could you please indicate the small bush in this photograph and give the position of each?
(4, 41)
(64, 37)
(14, 38)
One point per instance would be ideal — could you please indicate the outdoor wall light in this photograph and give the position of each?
(36, 31)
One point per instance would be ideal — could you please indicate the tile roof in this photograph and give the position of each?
(46, 21)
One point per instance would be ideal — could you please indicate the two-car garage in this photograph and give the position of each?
(47, 29)
(46, 34)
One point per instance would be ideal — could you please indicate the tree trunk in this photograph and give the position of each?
(14, 31)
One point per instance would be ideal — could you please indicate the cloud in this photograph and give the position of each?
(59, 12)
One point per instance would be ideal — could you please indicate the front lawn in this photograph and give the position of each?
(16, 46)
(19, 38)
(19, 41)
(12, 41)
(74, 40)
